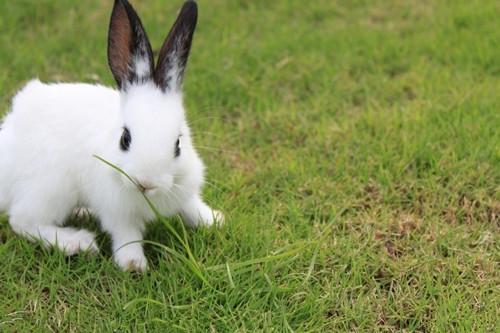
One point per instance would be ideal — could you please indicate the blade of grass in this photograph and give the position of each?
(320, 239)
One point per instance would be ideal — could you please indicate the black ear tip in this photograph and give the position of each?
(124, 3)
(190, 3)
(190, 8)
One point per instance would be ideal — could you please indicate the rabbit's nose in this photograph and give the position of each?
(145, 186)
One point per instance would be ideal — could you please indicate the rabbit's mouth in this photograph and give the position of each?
(145, 187)
(149, 187)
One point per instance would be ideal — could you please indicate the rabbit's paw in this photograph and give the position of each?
(130, 261)
(212, 218)
(218, 218)
(196, 213)
(75, 241)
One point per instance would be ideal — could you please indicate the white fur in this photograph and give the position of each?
(141, 67)
(47, 167)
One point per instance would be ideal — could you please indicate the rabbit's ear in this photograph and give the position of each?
(169, 72)
(129, 52)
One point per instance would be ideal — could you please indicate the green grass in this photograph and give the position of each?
(355, 150)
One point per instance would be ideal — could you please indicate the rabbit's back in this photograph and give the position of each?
(52, 132)
(61, 107)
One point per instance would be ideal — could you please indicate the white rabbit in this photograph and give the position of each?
(49, 140)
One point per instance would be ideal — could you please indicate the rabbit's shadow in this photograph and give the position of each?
(156, 237)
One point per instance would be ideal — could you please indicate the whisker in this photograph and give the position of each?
(209, 200)
(212, 185)
(215, 149)
(180, 186)
(191, 122)
(195, 134)
(203, 110)
(184, 189)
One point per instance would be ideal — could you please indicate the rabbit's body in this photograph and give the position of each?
(69, 167)
(50, 140)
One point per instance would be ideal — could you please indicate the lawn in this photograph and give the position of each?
(354, 147)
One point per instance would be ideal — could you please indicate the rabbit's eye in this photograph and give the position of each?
(177, 149)
(125, 140)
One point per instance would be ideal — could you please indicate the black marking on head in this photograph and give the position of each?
(125, 139)
(130, 56)
(169, 72)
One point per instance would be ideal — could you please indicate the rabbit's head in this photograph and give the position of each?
(153, 144)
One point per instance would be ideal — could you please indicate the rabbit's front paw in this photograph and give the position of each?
(213, 217)
(196, 213)
(131, 260)
(218, 218)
